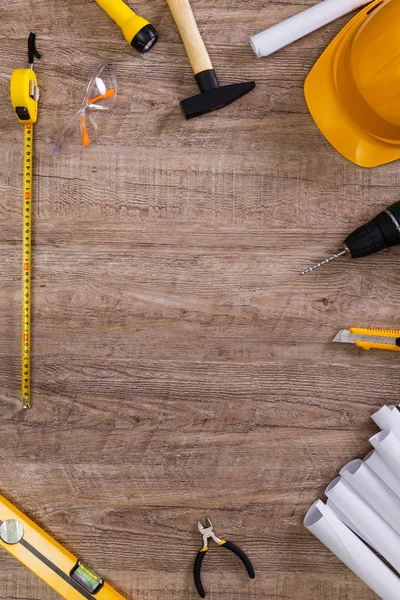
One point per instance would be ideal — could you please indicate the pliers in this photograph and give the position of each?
(207, 533)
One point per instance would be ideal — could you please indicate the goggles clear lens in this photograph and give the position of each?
(82, 129)
(102, 89)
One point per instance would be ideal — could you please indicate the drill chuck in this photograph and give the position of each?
(383, 231)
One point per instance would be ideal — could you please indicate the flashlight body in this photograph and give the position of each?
(137, 31)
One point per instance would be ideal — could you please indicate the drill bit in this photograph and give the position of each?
(325, 262)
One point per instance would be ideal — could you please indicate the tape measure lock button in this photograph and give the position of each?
(11, 531)
(22, 113)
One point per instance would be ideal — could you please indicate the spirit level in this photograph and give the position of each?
(45, 557)
(24, 93)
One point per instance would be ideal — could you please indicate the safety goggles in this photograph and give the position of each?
(83, 127)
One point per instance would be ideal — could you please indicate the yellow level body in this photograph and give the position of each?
(48, 559)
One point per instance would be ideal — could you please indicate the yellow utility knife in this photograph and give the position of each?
(379, 339)
(50, 561)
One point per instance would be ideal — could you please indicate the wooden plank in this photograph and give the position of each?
(181, 367)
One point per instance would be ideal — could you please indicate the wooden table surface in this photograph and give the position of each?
(181, 367)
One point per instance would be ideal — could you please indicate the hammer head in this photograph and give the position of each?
(215, 98)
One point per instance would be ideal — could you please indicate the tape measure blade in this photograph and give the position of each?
(26, 265)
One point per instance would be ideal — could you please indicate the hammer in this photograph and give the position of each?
(212, 96)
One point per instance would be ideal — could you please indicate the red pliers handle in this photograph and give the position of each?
(207, 532)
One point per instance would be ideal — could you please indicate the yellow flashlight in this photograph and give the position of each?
(138, 32)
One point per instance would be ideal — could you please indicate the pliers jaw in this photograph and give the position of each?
(208, 533)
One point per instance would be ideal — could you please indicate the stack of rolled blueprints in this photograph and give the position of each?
(360, 521)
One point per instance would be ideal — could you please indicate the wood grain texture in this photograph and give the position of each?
(181, 367)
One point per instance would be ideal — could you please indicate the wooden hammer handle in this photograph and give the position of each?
(192, 40)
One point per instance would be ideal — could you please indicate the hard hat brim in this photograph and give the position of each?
(327, 109)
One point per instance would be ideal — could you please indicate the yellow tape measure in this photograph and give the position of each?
(50, 561)
(24, 93)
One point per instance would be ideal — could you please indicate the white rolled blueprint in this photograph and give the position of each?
(376, 463)
(387, 445)
(375, 530)
(269, 41)
(352, 551)
(388, 417)
(372, 489)
(344, 519)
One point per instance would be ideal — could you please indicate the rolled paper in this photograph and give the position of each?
(376, 530)
(344, 520)
(352, 551)
(388, 417)
(274, 38)
(372, 489)
(387, 445)
(376, 463)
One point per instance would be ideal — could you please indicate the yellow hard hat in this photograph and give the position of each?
(353, 90)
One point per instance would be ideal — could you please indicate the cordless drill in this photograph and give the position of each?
(383, 231)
